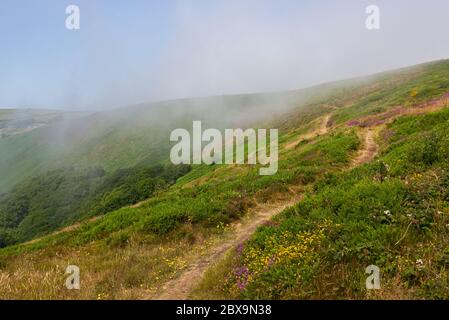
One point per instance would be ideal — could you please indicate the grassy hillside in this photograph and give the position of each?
(22, 152)
(62, 197)
(46, 172)
(355, 210)
(392, 213)
(133, 135)
(122, 137)
(46, 168)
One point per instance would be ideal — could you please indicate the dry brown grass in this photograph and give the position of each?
(131, 272)
(136, 269)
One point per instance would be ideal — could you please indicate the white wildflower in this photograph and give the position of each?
(419, 264)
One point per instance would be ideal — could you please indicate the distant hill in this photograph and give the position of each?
(37, 140)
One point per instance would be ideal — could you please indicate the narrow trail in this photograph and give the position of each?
(369, 149)
(322, 130)
(375, 123)
(181, 287)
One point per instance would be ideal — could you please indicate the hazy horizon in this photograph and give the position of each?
(150, 102)
(143, 52)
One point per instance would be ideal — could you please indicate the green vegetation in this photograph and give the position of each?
(410, 86)
(62, 197)
(127, 137)
(392, 211)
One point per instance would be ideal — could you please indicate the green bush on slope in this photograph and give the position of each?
(61, 197)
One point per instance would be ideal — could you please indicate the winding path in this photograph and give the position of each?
(181, 287)
(321, 130)
(369, 150)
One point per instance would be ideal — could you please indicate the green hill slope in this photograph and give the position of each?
(46, 172)
(355, 211)
(67, 170)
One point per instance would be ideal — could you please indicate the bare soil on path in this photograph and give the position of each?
(181, 287)
(369, 150)
(321, 130)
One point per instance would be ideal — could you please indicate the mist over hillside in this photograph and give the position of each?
(129, 135)
(245, 153)
(361, 180)
(126, 136)
(65, 150)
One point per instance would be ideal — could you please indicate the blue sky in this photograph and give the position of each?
(133, 51)
(42, 63)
